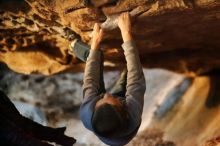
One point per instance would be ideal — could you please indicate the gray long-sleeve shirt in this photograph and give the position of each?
(135, 90)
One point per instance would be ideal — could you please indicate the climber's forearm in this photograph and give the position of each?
(127, 36)
(95, 45)
(91, 75)
(136, 85)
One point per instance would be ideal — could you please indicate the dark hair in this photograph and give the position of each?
(108, 120)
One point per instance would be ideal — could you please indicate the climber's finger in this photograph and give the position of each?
(96, 27)
(101, 32)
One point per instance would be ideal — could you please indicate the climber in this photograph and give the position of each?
(114, 117)
(16, 130)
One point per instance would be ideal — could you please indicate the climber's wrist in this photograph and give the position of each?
(95, 46)
(127, 36)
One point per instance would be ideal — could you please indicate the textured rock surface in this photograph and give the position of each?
(180, 35)
(213, 142)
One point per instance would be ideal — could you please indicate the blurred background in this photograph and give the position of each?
(177, 108)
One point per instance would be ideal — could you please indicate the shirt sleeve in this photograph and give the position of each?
(136, 85)
(91, 75)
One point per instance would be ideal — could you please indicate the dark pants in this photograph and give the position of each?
(81, 51)
(17, 130)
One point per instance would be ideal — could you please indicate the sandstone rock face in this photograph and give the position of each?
(192, 114)
(180, 35)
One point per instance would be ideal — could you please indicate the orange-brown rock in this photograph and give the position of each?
(194, 118)
(180, 35)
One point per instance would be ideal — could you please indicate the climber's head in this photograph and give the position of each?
(109, 117)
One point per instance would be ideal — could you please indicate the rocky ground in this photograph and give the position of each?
(213, 142)
(150, 137)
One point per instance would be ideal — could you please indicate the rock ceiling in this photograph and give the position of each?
(179, 35)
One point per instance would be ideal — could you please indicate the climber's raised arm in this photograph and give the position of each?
(91, 82)
(135, 77)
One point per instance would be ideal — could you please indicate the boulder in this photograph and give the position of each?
(179, 35)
